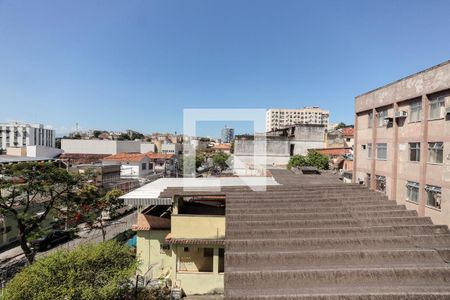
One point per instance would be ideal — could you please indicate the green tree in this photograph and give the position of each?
(99, 272)
(93, 205)
(317, 160)
(297, 161)
(220, 160)
(341, 125)
(312, 159)
(25, 185)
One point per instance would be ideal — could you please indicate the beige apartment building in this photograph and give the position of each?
(278, 118)
(402, 141)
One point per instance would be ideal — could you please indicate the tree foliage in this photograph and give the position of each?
(24, 185)
(100, 271)
(312, 159)
(93, 204)
(220, 160)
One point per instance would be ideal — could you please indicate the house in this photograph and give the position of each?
(105, 176)
(172, 148)
(162, 162)
(132, 165)
(402, 145)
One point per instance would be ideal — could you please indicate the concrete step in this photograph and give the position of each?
(430, 292)
(338, 243)
(315, 279)
(323, 203)
(344, 232)
(326, 223)
(305, 196)
(300, 260)
(322, 215)
(299, 209)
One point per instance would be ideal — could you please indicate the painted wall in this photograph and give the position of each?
(198, 227)
(150, 254)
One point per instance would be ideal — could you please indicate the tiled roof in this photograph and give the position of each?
(124, 156)
(334, 151)
(153, 155)
(147, 222)
(222, 146)
(347, 131)
(81, 158)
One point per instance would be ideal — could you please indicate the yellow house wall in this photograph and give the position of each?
(197, 282)
(198, 227)
(150, 254)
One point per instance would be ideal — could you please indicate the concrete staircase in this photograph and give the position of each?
(311, 240)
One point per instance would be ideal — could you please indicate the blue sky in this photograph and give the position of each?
(137, 64)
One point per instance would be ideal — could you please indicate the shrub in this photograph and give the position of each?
(101, 271)
(312, 159)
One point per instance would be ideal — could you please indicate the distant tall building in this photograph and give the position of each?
(227, 134)
(17, 134)
(277, 118)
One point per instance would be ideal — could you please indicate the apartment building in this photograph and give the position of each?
(402, 141)
(227, 134)
(18, 134)
(277, 118)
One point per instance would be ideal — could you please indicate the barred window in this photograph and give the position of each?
(415, 111)
(412, 191)
(437, 108)
(369, 151)
(370, 120)
(436, 152)
(382, 151)
(381, 183)
(434, 196)
(382, 114)
(414, 151)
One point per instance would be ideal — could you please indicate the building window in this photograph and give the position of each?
(381, 183)
(144, 166)
(382, 114)
(412, 191)
(382, 151)
(437, 108)
(436, 152)
(369, 178)
(185, 249)
(414, 151)
(370, 120)
(434, 194)
(415, 113)
(369, 151)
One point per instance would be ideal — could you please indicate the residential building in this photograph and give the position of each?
(278, 118)
(108, 147)
(132, 165)
(253, 154)
(105, 176)
(343, 137)
(227, 134)
(172, 148)
(162, 162)
(224, 147)
(18, 134)
(402, 144)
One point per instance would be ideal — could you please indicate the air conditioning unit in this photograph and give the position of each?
(401, 114)
(447, 110)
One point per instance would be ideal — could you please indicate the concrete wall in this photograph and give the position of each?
(398, 169)
(150, 253)
(99, 146)
(41, 151)
(198, 227)
(16, 151)
(147, 147)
